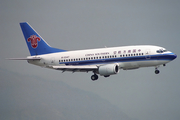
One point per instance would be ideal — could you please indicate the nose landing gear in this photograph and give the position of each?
(156, 70)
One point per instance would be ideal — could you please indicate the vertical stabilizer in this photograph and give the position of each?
(36, 44)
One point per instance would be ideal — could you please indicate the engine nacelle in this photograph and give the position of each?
(109, 69)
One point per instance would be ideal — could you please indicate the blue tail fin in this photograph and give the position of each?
(36, 44)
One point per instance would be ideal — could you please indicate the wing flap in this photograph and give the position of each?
(75, 68)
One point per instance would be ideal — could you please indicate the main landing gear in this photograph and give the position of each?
(94, 77)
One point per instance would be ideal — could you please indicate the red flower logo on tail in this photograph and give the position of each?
(34, 40)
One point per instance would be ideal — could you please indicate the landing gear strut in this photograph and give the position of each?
(94, 77)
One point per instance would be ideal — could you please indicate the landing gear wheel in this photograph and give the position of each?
(106, 75)
(94, 77)
(157, 71)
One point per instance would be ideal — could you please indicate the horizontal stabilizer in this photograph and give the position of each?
(34, 58)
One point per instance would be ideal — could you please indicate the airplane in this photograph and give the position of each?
(102, 61)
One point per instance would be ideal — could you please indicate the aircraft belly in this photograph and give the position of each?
(152, 63)
(130, 65)
(138, 64)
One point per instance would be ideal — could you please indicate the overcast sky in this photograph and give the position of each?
(82, 24)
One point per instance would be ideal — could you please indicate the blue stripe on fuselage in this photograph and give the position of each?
(169, 57)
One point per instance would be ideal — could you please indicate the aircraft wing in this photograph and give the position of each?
(86, 68)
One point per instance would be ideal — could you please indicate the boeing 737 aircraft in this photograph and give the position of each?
(102, 61)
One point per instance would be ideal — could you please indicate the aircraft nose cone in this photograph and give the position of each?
(173, 56)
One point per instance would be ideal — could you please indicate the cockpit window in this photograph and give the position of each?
(164, 50)
(161, 51)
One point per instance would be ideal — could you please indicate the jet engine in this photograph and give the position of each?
(108, 69)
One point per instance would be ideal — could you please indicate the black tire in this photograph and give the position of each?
(94, 77)
(106, 75)
(157, 71)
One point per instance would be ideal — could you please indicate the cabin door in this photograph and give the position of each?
(147, 54)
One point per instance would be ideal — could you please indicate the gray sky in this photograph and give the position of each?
(83, 24)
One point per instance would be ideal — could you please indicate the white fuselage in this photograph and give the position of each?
(102, 61)
(128, 57)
